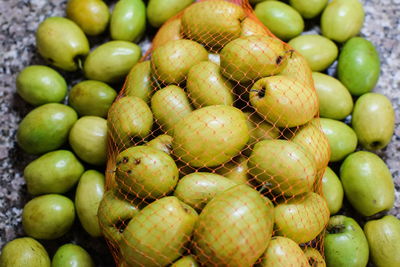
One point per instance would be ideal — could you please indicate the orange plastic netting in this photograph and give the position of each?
(215, 147)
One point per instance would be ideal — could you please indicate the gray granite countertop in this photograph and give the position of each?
(18, 22)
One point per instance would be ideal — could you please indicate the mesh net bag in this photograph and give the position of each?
(215, 150)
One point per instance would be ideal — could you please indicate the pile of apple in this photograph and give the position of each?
(216, 153)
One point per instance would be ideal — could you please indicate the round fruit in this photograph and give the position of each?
(359, 66)
(249, 58)
(61, 42)
(112, 61)
(72, 255)
(171, 62)
(54, 172)
(281, 19)
(128, 20)
(45, 128)
(92, 98)
(319, 51)
(23, 252)
(146, 171)
(40, 85)
(92, 16)
(210, 136)
(88, 139)
(342, 19)
(48, 216)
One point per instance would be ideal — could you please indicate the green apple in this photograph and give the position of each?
(342, 19)
(146, 172)
(169, 106)
(249, 58)
(62, 43)
(283, 166)
(313, 140)
(335, 101)
(383, 237)
(89, 193)
(284, 101)
(210, 136)
(367, 183)
(170, 63)
(48, 216)
(156, 236)
(373, 120)
(302, 218)
(139, 82)
(283, 250)
(332, 190)
(45, 128)
(22, 252)
(71, 255)
(345, 243)
(54, 172)
(129, 118)
(159, 11)
(88, 139)
(213, 23)
(341, 138)
(234, 228)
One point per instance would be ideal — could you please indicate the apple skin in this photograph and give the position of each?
(383, 237)
(234, 228)
(283, 101)
(283, 252)
(156, 236)
(367, 183)
(283, 166)
(341, 138)
(332, 190)
(301, 218)
(72, 255)
(48, 216)
(22, 252)
(311, 138)
(377, 110)
(345, 243)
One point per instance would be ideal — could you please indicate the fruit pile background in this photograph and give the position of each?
(18, 22)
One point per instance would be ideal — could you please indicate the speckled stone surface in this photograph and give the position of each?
(18, 22)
